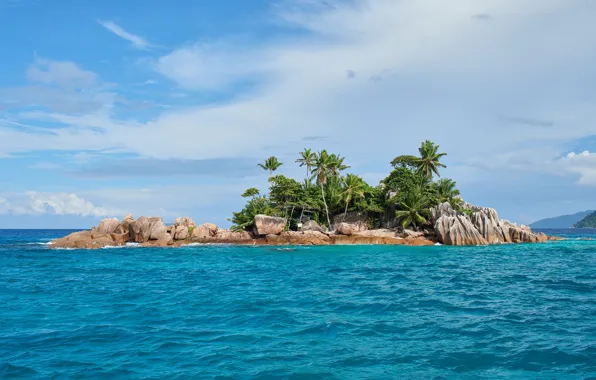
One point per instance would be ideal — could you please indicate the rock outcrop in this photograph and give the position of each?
(140, 230)
(481, 227)
(212, 228)
(145, 229)
(181, 232)
(158, 230)
(349, 228)
(200, 232)
(124, 226)
(311, 225)
(357, 220)
(412, 234)
(457, 230)
(384, 233)
(269, 225)
(299, 238)
(107, 226)
(184, 221)
(85, 240)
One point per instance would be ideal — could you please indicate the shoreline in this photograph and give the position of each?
(271, 231)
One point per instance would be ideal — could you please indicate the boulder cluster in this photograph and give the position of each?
(481, 226)
(150, 232)
(268, 230)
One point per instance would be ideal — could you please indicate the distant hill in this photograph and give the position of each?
(588, 222)
(564, 221)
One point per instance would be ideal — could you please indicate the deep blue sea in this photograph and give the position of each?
(359, 312)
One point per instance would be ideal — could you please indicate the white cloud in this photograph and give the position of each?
(212, 66)
(137, 41)
(42, 203)
(441, 75)
(62, 86)
(64, 74)
(582, 164)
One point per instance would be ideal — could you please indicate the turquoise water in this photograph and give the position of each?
(523, 311)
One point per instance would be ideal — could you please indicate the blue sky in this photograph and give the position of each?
(165, 107)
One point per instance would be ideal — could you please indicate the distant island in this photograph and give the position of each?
(563, 221)
(413, 205)
(588, 222)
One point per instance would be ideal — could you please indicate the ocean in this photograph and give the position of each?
(355, 312)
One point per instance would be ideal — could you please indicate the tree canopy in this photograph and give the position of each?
(405, 195)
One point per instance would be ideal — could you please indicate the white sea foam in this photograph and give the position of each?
(438, 244)
(127, 245)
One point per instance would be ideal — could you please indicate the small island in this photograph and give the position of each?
(409, 207)
(588, 222)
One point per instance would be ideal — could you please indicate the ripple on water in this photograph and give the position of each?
(524, 311)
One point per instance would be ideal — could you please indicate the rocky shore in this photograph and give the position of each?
(481, 227)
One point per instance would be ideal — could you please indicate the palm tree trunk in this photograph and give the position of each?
(290, 218)
(346, 210)
(325, 203)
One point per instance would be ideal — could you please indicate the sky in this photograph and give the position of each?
(166, 107)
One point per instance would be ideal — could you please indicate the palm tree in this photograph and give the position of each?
(271, 164)
(413, 210)
(428, 162)
(339, 164)
(447, 190)
(307, 158)
(325, 165)
(353, 185)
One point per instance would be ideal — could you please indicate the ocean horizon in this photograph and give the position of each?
(511, 311)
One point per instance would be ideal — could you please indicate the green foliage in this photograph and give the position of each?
(373, 201)
(407, 193)
(271, 164)
(353, 187)
(190, 230)
(405, 161)
(328, 166)
(284, 191)
(307, 158)
(448, 192)
(414, 210)
(244, 220)
(250, 193)
(429, 161)
(588, 222)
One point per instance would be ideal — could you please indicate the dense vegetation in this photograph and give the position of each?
(588, 222)
(405, 195)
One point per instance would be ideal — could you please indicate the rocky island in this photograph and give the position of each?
(409, 207)
(482, 227)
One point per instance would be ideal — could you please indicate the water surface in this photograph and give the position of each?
(518, 311)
